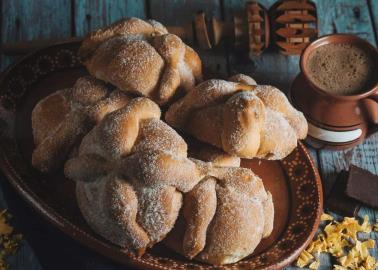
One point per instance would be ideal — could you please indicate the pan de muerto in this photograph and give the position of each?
(130, 173)
(60, 120)
(240, 117)
(141, 57)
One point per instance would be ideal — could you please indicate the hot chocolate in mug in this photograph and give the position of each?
(336, 121)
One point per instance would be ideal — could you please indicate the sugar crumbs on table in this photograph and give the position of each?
(9, 241)
(340, 240)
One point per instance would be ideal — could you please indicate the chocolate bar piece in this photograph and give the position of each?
(362, 185)
(338, 201)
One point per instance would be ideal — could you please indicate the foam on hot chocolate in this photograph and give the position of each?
(342, 69)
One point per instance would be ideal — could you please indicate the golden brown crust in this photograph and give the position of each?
(131, 65)
(206, 94)
(242, 120)
(52, 152)
(149, 61)
(224, 217)
(193, 61)
(127, 26)
(211, 117)
(240, 117)
(144, 163)
(200, 205)
(242, 78)
(60, 120)
(105, 199)
(269, 215)
(216, 156)
(49, 113)
(132, 171)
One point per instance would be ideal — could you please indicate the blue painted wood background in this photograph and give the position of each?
(47, 248)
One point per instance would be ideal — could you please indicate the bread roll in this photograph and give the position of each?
(143, 58)
(240, 117)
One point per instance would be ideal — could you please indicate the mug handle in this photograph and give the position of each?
(371, 105)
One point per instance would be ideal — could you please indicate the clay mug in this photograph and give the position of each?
(336, 122)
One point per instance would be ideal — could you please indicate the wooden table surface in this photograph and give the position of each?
(47, 248)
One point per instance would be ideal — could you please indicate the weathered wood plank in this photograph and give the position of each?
(270, 68)
(26, 20)
(373, 4)
(90, 15)
(182, 12)
(314, 155)
(326, 15)
(346, 16)
(233, 6)
(352, 16)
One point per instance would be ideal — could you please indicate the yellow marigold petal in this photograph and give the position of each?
(329, 229)
(340, 240)
(304, 259)
(364, 227)
(8, 240)
(314, 265)
(370, 263)
(369, 243)
(343, 260)
(326, 217)
(300, 263)
(5, 228)
(339, 267)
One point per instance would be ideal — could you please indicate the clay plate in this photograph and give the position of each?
(294, 182)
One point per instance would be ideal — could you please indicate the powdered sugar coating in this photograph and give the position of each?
(276, 100)
(208, 93)
(124, 27)
(226, 216)
(155, 215)
(275, 132)
(128, 62)
(251, 120)
(149, 61)
(156, 135)
(148, 159)
(60, 120)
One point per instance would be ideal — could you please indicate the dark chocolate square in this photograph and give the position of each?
(338, 201)
(362, 185)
